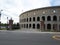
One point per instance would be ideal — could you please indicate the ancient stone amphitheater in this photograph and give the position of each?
(44, 19)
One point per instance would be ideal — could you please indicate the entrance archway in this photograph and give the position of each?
(48, 26)
(49, 18)
(43, 18)
(38, 26)
(33, 26)
(54, 18)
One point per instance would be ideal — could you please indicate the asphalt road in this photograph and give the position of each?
(21, 38)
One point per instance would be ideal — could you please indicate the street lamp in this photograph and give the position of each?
(0, 18)
(7, 23)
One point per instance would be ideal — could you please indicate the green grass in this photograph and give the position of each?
(3, 29)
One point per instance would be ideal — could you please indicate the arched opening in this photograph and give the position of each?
(49, 18)
(43, 18)
(48, 26)
(33, 26)
(26, 25)
(38, 26)
(33, 18)
(22, 25)
(30, 19)
(38, 18)
(29, 25)
(54, 18)
(24, 20)
(59, 27)
(59, 18)
(44, 26)
(54, 27)
(27, 19)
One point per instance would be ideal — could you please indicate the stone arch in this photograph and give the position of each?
(30, 19)
(43, 18)
(54, 18)
(55, 27)
(38, 18)
(27, 19)
(26, 25)
(38, 26)
(33, 26)
(59, 27)
(29, 25)
(48, 18)
(48, 26)
(33, 18)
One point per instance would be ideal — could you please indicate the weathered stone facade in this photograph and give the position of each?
(47, 18)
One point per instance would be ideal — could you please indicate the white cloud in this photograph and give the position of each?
(14, 8)
(10, 8)
(31, 4)
(40, 3)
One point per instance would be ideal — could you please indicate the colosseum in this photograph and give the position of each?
(43, 19)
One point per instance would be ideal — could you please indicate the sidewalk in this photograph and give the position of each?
(57, 37)
(28, 31)
(35, 31)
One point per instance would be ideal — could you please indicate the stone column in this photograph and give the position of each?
(46, 22)
(45, 26)
(57, 23)
(51, 23)
(51, 27)
(57, 27)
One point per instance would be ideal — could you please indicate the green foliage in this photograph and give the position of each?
(4, 24)
(16, 26)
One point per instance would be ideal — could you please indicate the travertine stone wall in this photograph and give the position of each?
(51, 21)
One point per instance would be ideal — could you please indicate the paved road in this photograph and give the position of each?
(21, 38)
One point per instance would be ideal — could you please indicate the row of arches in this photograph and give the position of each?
(30, 26)
(38, 19)
(38, 26)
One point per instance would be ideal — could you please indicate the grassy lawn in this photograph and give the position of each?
(3, 29)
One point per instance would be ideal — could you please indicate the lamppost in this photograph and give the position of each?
(0, 18)
(7, 23)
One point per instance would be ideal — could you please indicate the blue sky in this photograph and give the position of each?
(55, 2)
(13, 8)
